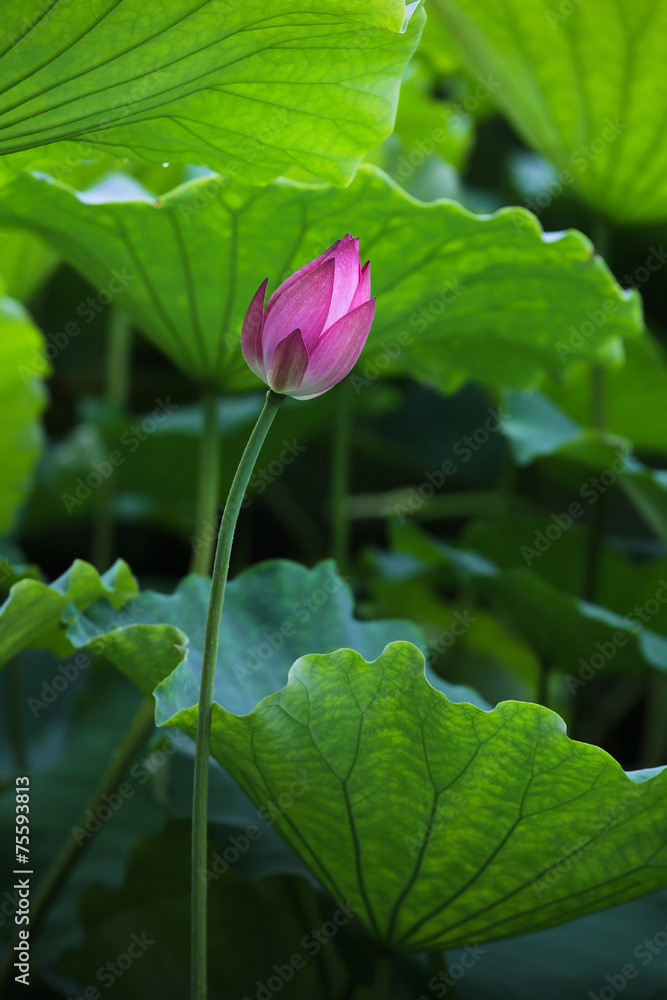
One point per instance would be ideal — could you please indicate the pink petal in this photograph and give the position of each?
(346, 279)
(363, 292)
(306, 269)
(337, 351)
(304, 305)
(251, 334)
(290, 360)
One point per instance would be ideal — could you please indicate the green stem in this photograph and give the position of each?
(507, 485)
(382, 978)
(601, 236)
(597, 517)
(598, 398)
(437, 962)
(472, 503)
(340, 475)
(593, 554)
(211, 636)
(208, 490)
(119, 351)
(117, 364)
(654, 742)
(610, 708)
(16, 704)
(71, 852)
(543, 682)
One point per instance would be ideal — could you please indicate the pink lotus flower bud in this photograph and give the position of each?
(314, 326)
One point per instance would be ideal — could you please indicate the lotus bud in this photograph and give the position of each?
(312, 330)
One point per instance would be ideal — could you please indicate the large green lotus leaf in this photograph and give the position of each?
(583, 84)
(272, 612)
(243, 87)
(443, 823)
(386, 795)
(64, 781)
(567, 632)
(22, 400)
(37, 614)
(459, 296)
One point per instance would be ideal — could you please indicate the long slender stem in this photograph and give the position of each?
(601, 237)
(543, 682)
(382, 978)
(118, 357)
(437, 962)
(340, 474)
(208, 490)
(654, 742)
(71, 851)
(16, 705)
(211, 636)
(610, 708)
(598, 398)
(597, 516)
(594, 540)
(468, 503)
(119, 353)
